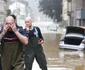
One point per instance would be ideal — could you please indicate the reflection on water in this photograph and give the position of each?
(59, 68)
(71, 53)
(61, 59)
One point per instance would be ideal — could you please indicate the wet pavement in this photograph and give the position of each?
(61, 59)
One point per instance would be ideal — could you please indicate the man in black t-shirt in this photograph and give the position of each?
(34, 48)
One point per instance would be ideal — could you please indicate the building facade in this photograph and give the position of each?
(64, 10)
(78, 12)
(3, 10)
(20, 9)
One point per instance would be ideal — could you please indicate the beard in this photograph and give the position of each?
(10, 29)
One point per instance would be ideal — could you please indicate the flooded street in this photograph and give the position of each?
(61, 59)
(54, 19)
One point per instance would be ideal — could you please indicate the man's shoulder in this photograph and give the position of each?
(20, 28)
(36, 27)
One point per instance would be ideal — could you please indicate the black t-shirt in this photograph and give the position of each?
(32, 33)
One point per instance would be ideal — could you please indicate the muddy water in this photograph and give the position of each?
(62, 59)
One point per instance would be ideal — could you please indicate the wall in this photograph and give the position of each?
(76, 5)
(64, 7)
(3, 9)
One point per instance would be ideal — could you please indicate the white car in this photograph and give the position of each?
(52, 27)
(73, 39)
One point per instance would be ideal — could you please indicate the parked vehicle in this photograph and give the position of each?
(52, 27)
(73, 39)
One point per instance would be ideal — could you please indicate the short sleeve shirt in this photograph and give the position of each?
(32, 33)
(11, 36)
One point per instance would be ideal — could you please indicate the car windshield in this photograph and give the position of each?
(52, 25)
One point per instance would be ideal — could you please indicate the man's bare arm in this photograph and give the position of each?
(5, 28)
(22, 38)
(1, 36)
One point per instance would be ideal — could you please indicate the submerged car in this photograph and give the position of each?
(74, 38)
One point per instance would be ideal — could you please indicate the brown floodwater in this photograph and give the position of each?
(61, 59)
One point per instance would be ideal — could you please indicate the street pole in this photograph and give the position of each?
(53, 15)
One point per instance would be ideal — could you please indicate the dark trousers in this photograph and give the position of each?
(40, 58)
(12, 56)
(0, 64)
(34, 50)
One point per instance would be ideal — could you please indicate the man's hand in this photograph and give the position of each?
(40, 41)
(27, 28)
(5, 28)
(13, 27)
(82, 27)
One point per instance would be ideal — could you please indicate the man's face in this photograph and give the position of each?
(28, 22)
(9, 21)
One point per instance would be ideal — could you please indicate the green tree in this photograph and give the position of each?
(52, 8)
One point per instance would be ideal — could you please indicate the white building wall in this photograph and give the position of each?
(3, 8)
(65, 16)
